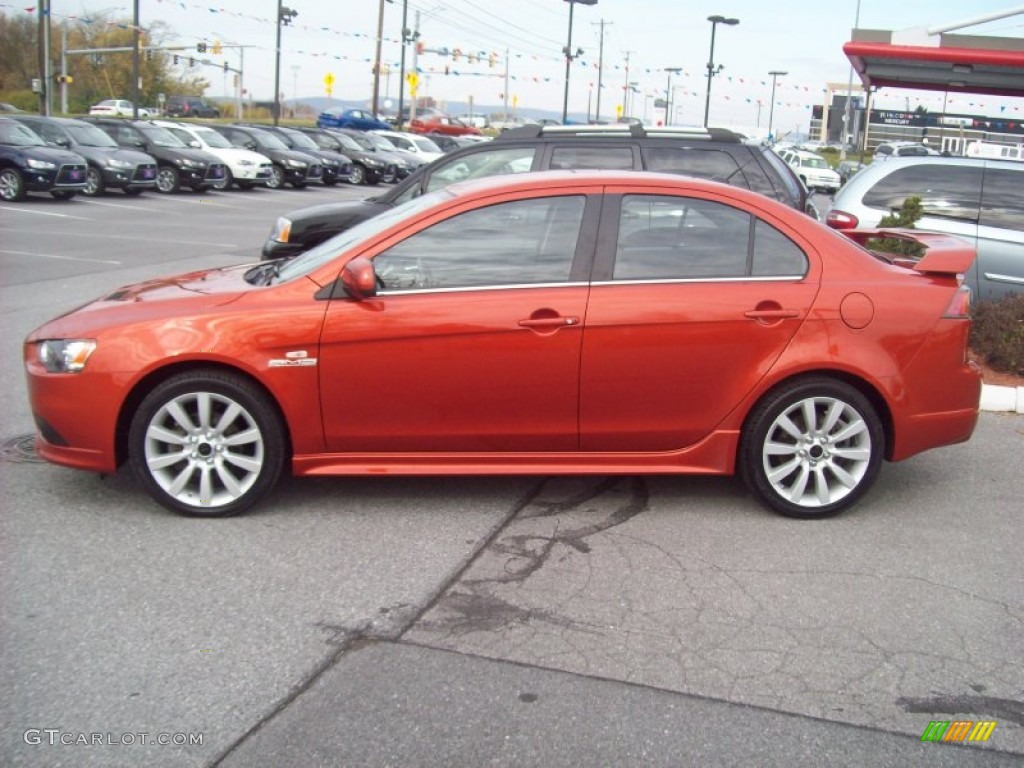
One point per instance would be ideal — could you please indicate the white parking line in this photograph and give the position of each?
(41, 213)
(111, 205)
(63, 258)
(201, 201)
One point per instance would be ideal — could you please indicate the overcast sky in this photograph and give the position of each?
(337, 36)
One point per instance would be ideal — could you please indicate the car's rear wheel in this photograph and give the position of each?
(276, 180)
(94, 183)
(207, 443)
(358, 175)
(12, 187)
(812, 448)
(167, 180)
(225, 183)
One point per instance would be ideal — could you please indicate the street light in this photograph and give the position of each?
(284, 17)
(715, 21)
(569, 55)
(771, 110)
(668, 91)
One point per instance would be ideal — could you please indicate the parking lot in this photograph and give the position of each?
(528, 621)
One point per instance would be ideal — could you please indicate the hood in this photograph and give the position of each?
(200, 155)
(59, 156)
(101, 154)
(237, 154)
(162, 297)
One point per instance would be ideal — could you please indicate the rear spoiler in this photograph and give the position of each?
(943, 254)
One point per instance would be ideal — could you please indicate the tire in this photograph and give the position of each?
(212, 465)
(812, 448)
(222, 185)
(167, 180)
(276, 180)
(12, 186)
(389, 178)
(358, 175)
(62, 194)
(94, 186)
(133, 191)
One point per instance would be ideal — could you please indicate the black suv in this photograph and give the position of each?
(289, 166)
(110, 166)
(708, 153)
(337, 166)
(177, 164)
(28, 165)
(190, 106)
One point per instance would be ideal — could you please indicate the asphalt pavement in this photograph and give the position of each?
(480, 621)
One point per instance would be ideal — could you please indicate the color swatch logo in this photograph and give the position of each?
(958, 730)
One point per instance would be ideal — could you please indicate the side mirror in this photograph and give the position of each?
(359, 278)
(250, 145)
(63, 142)
(195, 144)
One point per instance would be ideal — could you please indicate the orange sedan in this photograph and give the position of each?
(550, 323)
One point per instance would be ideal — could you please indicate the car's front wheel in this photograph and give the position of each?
(812, 448)
(207, 443)
(276, 180)
(12, 187)
(225, 183)
(167, 180)
(357, 175)
(94, 182)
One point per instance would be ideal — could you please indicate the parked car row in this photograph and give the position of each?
(166, 155)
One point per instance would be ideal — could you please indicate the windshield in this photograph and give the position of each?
(316, 257)
(267, 140)
(379, 141)
(161, 137)
(426, 145)
(89, 135)
(362, 141)
(18, 135)
(301, 140)
(814, 162)
(213, 139)
(325, 140)
(347, 142)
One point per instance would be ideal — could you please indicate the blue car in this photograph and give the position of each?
(359, 119)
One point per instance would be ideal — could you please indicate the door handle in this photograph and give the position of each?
(548, 322)
(771, 314)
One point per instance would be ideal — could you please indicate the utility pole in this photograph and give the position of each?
(600, 68)
(505, 116)
(135, 60)
(64, 68)
(626, 89)
(376, 59)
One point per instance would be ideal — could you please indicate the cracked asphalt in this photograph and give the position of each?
(483, 621)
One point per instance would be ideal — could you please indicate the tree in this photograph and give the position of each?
(18, 59)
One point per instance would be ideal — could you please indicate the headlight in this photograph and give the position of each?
(294, 163)
(41, 164)
(282, 230)
(65, 355)
(246, 162)
(186, 163)
(114, 163)
(372, 162)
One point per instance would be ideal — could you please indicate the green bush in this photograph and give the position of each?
(997, 333)
(908, 213)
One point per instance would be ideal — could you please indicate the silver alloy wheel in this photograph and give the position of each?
(817, 451)
(11, 185)
(224, 183)
(357, 175)
(93, 182)
(276, 180)
(204, 449)
(167, 180)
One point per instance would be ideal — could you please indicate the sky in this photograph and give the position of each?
(337, 38)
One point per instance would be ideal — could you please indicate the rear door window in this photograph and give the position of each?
(608, 158)
(946, 191)
(1002, 202)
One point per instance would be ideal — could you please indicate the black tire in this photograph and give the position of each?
(277, 177)
(357, 175)
(241, 460)
(12, 186)
(62, 194)
(168, 180)
(94, 184)
(222, 185)
(812, 470)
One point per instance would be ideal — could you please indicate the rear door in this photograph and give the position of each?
(692, 301)
(1000, 262)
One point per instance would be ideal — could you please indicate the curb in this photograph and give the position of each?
(995, 398)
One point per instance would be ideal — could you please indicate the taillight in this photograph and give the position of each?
(841, 220)
(960, 306)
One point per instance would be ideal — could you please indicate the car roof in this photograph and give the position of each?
(618, 131)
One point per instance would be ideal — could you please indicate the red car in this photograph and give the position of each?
(559, 322)
(446, 126)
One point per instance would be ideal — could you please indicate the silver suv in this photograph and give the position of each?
(982, 201)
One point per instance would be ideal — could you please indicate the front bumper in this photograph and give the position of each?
(142, 176)
(68, 176)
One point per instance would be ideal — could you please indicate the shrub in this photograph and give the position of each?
(997, 333)
(905, 218)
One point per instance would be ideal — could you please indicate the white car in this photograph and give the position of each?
(475, 119)
(421, 146)
(813, 170)
(116, 108)
(245, 168)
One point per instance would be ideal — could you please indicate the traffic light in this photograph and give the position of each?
(200, 47)
(225, 66)
(149, 55)
(420, 47)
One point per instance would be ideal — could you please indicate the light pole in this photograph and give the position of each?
(668, 91)
(569, 55)
(771, 110)
(284, 17)
(715, 21)
(401, 70)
